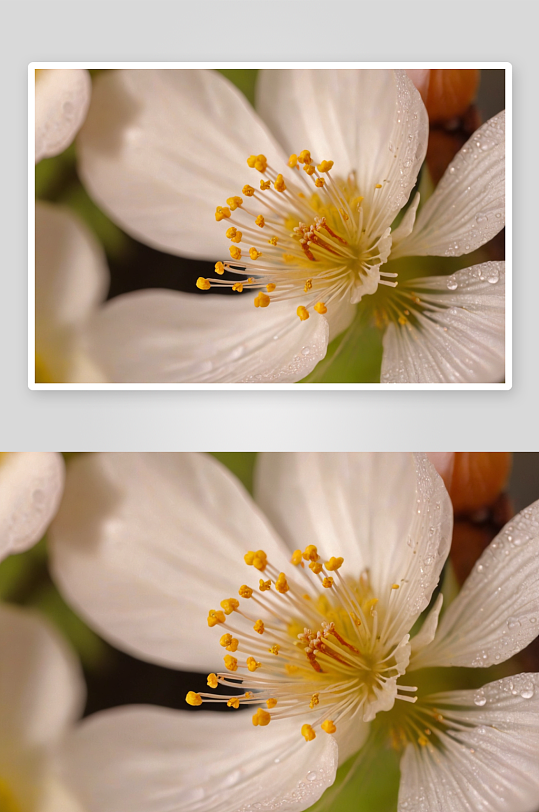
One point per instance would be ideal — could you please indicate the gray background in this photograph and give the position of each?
(269, 420)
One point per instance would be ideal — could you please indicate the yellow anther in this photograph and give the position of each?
(260, 220)
(308, 285)
(233, 645)
(402, 320)
(310, 553)
(261, 163)
(316, 567)
(328, 726)
(304, 157)
(248, 695)
(377, 185)
(222, 213)
(279, 185)
(259, 627)
(320, 308)
(274, 649)
(225, 640)
(215, 617)
(231, 664)
(248, 191)
(288, 258)
(271, 702)
(233, 703)
(270, 287)
(319, 182)
(262, 718)
(219, 268)
(236, 236)
(309, 169)
(303, 313)
(235, 252)
(264, 585)
(261, 300)
(422, 741)
(281, 584)
(252, 664)
(238, 287)
(193, 699)
(355, 618)
(273, 241)
(231, 232)
(234, 202)
(308, 733)
(265, 185)
(325, 166)
(203, 284)
(334, 563)
(314, 701)
(343, 214)
(290, 668)
(254, 254)
(213, 682)
(251, 161)
(370, 604)
(229, 605)
(395, 586)
(245, 591)
(297, 555)
(327, 582)
(293, 161)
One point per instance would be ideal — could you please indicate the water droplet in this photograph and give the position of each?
(305, 350)
(311, 776)
(527, 693)
(493, 277)
(480, 700)
(513, 623)
(452, 283)
(480, 568)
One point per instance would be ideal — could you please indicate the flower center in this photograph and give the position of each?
(8, 802)
(322, 652)
(310, 239)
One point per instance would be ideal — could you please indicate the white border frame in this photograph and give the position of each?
(264, 386)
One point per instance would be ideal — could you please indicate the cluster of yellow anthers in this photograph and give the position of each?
(311, 651)
(323, 259)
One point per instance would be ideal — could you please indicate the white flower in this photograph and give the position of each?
(161, 150)
(31, 485)
(71, 282)
(41, 695)
(145, 545)
(62, 101)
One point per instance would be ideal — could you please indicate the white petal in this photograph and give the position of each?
(443, 461)
(31, 485)
(488, 762)
(144, 545)
(496, 613)
(467, 208)
(421, 79)
(372, 122)
(72, 279)
(428, 630)
(405, 227)
(389, 513)
(41, 685)
(460, 335)
(146, 759)
(162, 148)
(62, 99)
(170, 337)
(57, 798)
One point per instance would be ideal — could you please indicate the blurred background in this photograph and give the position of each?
(504, 484)
(134, 266)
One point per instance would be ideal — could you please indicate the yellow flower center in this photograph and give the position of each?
(321, 653)
(8, 802)
(311, 239)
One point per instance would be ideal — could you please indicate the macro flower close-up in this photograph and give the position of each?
(326, 613)
(317, 214)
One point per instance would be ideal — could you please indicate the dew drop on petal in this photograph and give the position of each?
(452, 283)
